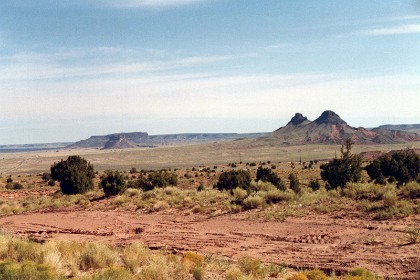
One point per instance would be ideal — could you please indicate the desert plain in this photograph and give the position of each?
(313, 230)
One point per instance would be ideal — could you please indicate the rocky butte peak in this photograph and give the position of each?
(330, 117)
(297, 119)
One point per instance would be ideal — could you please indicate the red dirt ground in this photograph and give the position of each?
(337, 242)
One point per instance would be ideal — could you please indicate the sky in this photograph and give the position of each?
(70, 69)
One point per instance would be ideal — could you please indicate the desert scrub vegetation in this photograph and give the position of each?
(402, 166)
(339, 172)
(413, 235)
(267, 175)
(113, 183)
(155, 179)
(383, 202)
(74, 174)
(24, 259)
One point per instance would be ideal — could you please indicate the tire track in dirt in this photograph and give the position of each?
(323, 241)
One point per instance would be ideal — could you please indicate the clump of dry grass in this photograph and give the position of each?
(96, 255)
(413, 235)
(192, 260)
(135, 256)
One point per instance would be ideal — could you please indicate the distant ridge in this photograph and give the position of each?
(143, 139)
(117, 140)
(403, 127)
(329, 128)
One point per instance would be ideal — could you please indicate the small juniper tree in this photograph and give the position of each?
(340, 171)
(234, 179)
(403, 166)
(314, 184)
(74, 174)
(156, 179)
(267, 175)
(113, 183)
(294, 183)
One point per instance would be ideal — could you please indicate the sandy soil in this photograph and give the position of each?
(337, 242)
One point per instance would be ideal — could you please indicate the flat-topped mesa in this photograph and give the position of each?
(330, 117)
(298, 119)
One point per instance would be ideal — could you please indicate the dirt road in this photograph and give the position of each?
(325, 241)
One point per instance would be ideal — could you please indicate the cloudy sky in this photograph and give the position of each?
(70, 69)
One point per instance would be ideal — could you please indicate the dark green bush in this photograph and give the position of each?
(267, 175)
(9, 180)
(113, 183)
(14, 186)
(314, 184)
(51, 183)
(340, 171)
(200, 188)
(402, 166)
(46, 176)
(234, 179)
(74, 174)
(156, 179)
(294, 183)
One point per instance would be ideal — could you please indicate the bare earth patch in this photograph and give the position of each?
(335, 242)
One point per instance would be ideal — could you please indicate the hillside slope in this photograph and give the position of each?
(329, 128)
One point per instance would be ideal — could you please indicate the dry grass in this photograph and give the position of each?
(94, 261)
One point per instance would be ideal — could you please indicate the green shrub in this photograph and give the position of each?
(413, 235)
(411, 190)
(369, 191)
(155, 179)
(135, 256)
(250, 266)
(267, 175)
(74, 174)
(234, 179)
(314, 184)
(294, 183)
(252, 202)
(46, 176)
(276, 196)
(399, 210)
(95, 255)
(363, 273)
(191, 260)
(113, 183)
(239, 194)
(316, 274)
(200, 188)
(198, 273)
(20, 250)
(297, 276)
(112, 273)
(26, 270)
(340, 171)
(14, 186)
(404, 166)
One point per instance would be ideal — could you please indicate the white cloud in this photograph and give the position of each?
(391, 30)
(150, 3)
(207, 96)
(28, 66)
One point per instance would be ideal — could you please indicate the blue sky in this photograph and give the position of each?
(71, 69)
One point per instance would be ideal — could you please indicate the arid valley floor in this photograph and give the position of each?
(314, 230)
